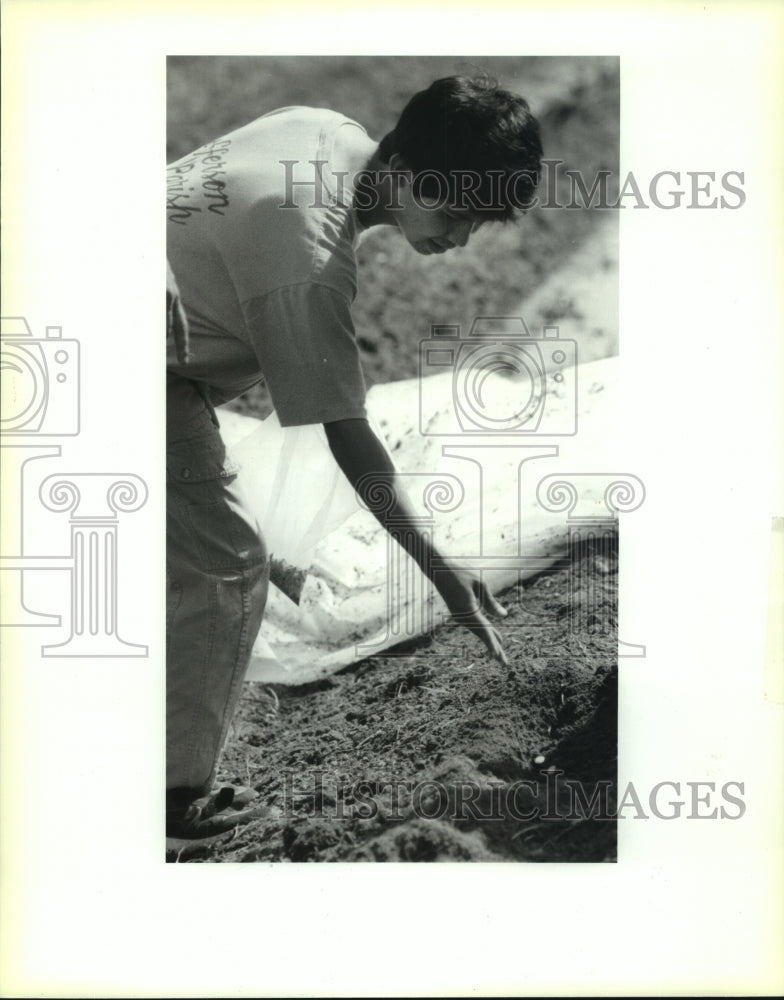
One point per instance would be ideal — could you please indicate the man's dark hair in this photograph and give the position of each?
(469, 126)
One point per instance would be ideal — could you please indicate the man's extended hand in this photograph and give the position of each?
(365, 463)
(468, 598)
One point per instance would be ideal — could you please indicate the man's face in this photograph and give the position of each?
(433, 229)
(431, 226)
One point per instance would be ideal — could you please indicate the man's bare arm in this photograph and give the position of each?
(368, 467)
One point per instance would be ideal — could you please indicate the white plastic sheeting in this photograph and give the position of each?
(491, 500)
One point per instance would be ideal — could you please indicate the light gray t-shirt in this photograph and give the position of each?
(261, 239)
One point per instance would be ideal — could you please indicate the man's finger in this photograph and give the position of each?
(488, 602)
(494, 607)
(495, 649)
(482, 628)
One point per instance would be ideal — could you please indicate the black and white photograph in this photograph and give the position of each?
(473, 288)
(399, 613)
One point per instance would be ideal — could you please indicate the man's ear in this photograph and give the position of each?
(399, 165)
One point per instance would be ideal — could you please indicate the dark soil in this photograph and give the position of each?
(422, 756)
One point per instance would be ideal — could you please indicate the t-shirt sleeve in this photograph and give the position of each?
(303, 336)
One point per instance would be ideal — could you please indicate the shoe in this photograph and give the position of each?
(212, 815)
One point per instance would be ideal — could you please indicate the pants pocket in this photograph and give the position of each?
(209, 517)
